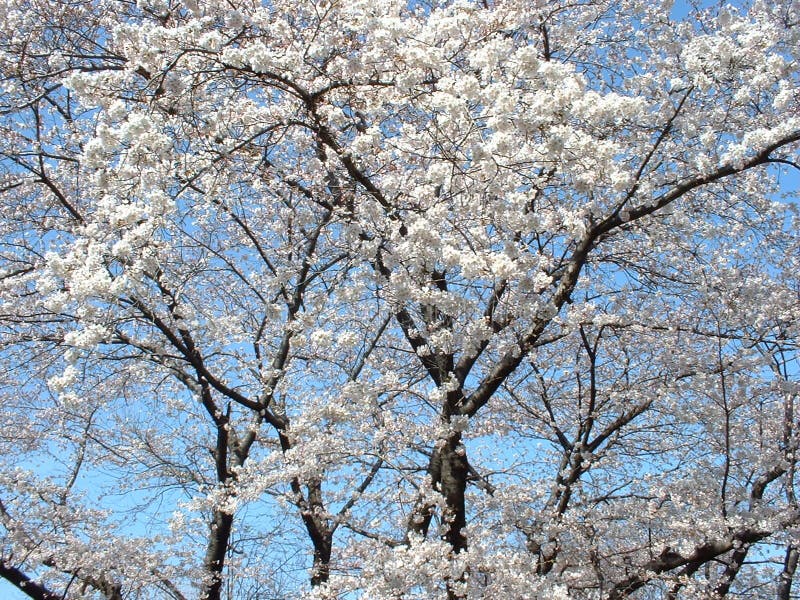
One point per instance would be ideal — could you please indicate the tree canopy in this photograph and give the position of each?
(402, 299)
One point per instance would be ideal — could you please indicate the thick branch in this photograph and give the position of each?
(216, 550)
(25, 584)
(569, 279)
(669, 560)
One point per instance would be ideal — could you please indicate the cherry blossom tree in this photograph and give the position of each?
(456, 299)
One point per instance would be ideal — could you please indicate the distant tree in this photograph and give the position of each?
(398, 299)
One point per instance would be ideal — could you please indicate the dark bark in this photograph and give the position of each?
(25, 584)
(215, 553)
(669, 559)
(222, 522)
(111, 590)
(313, 513)
(787, 575)
(449, 471)
(732, 570)
(454, 472)
(452, 485)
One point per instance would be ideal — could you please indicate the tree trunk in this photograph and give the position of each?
(787, 575)
(452, 485)
(215, 553)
